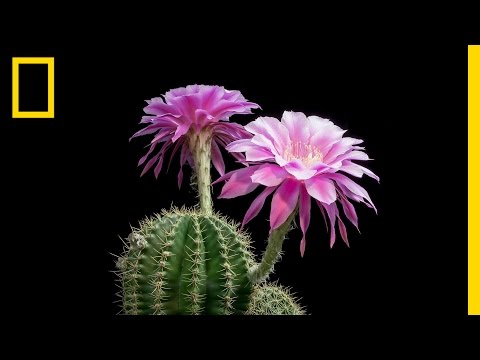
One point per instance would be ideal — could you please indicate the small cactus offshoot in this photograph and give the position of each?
(273, 299)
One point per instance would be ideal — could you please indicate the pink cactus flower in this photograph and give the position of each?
(296, 159)
(184, 113)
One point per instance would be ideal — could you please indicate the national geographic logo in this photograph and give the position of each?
(24, 64)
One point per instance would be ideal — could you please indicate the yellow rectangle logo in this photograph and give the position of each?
(474, 180)
(16, 62)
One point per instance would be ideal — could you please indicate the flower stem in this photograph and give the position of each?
(200, 147)
(272, 254)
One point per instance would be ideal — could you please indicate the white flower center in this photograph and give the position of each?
(306, 153)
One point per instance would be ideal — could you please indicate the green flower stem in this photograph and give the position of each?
(272, 254)
(200, 147)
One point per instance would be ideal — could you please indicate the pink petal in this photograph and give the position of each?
(257, 153)
(224, 108)
(203, 118)
(156, 106)
(240, 183)
(264, 142)
(150, 163)
(352, 187)
(158, 157)
(324, 134)
(257, 205)
(162, 135)
(186, 105)
(368, 172)
(332, 212)
(351, 168)
(353, 155)
(284, 202)
(181, 130)
(299, 171)
(180, 177)
(173, 152)
(271, 129)
(240, 145)
(157, 169)
(305, 205)
(150, 129)
(297, 126)
(321, 189)
(357, 170)
(323, 214)
(184, 153)
(341, 147)
(269, 175)
(211, 95)
(142, 160)
(217, 158)
(343, 231)
(147, 119)
(224, 177)
(349, 211)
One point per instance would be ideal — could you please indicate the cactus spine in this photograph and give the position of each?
(186, 262)
(273, 299)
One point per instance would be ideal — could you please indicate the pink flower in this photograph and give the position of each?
(299, 158)
(184, 113)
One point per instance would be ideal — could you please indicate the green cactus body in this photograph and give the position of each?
(272, 299)
(186, 262)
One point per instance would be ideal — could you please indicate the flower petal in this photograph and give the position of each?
(269, 175)
(240, 183)
(324, 134)
(369, 172)
(357, 170)
(181, 130)
(284, 202)
(183, 159)
(157, 169)
(150, 129)
(321, 189)
(257, 205)
(271, 129)
(217, 158)
(158, 157)
(297, 125)
(343, 231)
(353, 155)
(349, 211)
(142, 160)
(225, 108)
(352, 186)
(210, 95)
(297, 169)
(341, 147)
(305, 207)
(157, 106)
(150, 163)
(264, 142)
(257, 153)
(332, 212)
(174, 151)
(239, 145)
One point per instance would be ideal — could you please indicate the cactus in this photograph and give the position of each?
(186, 262)
(272, 299)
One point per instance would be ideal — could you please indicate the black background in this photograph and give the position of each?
(33, 89)
(71, 184)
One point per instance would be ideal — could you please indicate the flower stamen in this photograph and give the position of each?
(306, 153)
